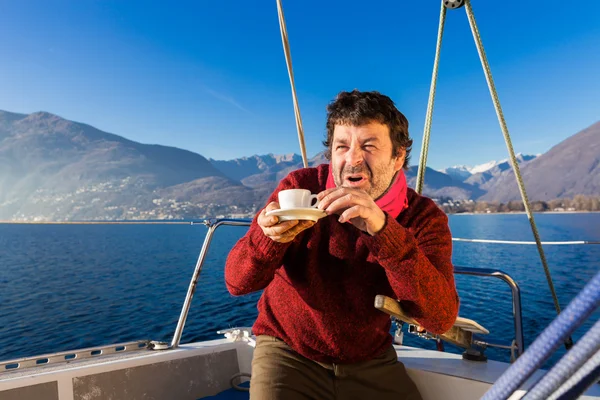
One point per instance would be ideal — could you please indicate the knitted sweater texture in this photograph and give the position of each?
(319, 289)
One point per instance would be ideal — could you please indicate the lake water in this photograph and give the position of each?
(64, 287)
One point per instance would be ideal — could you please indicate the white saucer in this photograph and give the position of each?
(293, 214)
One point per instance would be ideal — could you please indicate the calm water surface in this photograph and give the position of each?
(64, 287)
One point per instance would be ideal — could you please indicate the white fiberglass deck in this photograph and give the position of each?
(204, 369)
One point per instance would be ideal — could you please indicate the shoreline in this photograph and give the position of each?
(523, 212)
(98, 222)
(200, 221)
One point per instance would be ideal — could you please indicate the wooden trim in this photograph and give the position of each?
(461, 334)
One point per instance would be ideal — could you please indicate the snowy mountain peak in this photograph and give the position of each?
(485, 166)
(463, 172)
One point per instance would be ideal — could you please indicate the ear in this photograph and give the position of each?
(400, 160)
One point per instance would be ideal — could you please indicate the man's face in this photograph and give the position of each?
(361, 157)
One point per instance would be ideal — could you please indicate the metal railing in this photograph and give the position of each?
(72, 355)
(516, 301)
(213, 224)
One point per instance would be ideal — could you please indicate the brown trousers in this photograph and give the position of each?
(279, 373)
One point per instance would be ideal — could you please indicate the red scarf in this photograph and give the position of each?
(393, 201)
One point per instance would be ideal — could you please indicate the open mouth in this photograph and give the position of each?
(355, 179)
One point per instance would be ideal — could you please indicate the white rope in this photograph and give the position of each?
(429, 115)
(490, 81)
(572, 242)
(288, 61)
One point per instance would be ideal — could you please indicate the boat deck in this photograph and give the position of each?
(203, 371)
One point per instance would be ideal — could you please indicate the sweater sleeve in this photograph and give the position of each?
(419, 268)
(252, 262)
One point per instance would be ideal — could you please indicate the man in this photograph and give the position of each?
(318, 333)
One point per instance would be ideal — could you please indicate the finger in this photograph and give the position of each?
(279, 239)
(282, 239)
(307, 224)
(302, 226)
(350, 199)
(272, 206)
(295, 230)
(331, 196)
(291, 234)
(267, 221)
(357, 211)
(279, 229)
(325, 192)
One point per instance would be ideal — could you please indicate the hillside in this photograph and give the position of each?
(55, 169)
(570, 168)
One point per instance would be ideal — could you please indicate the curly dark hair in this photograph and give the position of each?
(358, 108)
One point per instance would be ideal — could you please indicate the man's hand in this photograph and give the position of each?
(353, 205)
(280, 232)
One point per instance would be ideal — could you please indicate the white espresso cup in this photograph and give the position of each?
(297, 198)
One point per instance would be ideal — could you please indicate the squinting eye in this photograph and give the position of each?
(341, 147)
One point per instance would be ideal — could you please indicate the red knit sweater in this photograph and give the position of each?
(320, 288)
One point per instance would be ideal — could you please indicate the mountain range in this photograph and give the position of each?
(491, 168)
(55, 169)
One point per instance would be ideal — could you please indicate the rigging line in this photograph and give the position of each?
(288, 61)
(572, 242)
(429, 115)
(490, 81)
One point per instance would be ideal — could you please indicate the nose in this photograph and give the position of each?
(354, 156)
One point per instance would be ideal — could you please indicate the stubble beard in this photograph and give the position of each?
(379, 180)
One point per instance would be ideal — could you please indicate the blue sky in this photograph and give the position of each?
(211, 77)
